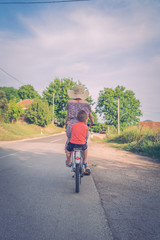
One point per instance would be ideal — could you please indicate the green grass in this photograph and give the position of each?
(146, 148)
(22, 130)
(97, 139)
(143, 141)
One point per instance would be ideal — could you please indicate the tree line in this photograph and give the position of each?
(40, 112)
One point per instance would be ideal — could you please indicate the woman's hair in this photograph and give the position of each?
(82, 116)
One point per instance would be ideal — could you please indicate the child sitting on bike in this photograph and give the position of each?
(79, 135)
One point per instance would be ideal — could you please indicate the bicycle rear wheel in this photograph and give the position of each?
(77, 178)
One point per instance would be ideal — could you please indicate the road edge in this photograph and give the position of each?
(28, 139)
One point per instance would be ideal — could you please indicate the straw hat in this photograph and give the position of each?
(78, 92)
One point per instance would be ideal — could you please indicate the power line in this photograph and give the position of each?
(10, 75)
(44, 2)
(15, 78)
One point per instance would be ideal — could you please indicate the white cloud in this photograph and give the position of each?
(90, 45)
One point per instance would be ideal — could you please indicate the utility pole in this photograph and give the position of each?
(53, 108)
(118, 119)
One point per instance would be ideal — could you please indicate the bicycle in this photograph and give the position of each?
(78, 167)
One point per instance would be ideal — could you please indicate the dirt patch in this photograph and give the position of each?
(101, 154)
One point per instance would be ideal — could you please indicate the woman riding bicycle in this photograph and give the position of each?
(78, 137)
(76, 104)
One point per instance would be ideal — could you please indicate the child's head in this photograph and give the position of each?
(82, 116)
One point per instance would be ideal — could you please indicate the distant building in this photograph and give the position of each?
(25, 103)
(152, 125)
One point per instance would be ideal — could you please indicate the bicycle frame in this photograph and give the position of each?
(77, 157)
(77, 166)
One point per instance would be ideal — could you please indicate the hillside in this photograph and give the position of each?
(22, 130)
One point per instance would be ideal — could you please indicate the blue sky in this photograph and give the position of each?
(102, 43)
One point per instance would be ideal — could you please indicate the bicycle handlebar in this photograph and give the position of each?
(88, 125)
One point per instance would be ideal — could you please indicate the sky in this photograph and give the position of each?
(102, 43)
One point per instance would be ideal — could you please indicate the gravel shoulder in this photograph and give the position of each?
(129, 189)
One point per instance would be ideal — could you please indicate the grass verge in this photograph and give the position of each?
(22, 130)
(138, 140)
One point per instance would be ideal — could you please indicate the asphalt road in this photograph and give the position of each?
(119, 201)
(38, 199)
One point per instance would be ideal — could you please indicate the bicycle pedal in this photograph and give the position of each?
(87, 172)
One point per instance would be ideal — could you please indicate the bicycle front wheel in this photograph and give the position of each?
(77, 178)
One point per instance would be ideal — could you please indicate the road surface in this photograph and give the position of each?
(38, 199)
(119, 201)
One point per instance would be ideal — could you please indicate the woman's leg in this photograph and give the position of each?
(68, 134)
(69, 150)
(68, 154)
(85, 155)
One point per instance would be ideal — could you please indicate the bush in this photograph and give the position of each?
(129, 135)
(3, 106)
(14, 110)
(96, 128)
(39, 113)
(111, 131)
(144, 148)
(140, 140)
(148, 144)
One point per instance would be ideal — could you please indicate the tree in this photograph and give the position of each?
(11, 93)
(96, 128)
(95, 118)
(3, 105)
(59, 88)
(39, 113)
(90, 101)
(129, 108)
(14, 110)
(27, 92)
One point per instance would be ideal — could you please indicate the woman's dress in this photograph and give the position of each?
(73, 108)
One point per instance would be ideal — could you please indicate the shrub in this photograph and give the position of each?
(96, 128)
(140, 140)
(130, 134)
(3, 106)
(39, 113)
(14, 110)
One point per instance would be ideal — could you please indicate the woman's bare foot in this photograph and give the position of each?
(68, 164)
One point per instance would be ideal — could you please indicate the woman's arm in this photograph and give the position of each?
(67, 118)
(91, 118)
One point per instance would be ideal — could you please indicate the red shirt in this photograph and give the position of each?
(79, 132)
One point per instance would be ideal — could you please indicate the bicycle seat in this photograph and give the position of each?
(77, 148)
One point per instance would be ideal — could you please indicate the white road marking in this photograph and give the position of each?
(9, 155)
(56, 140)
